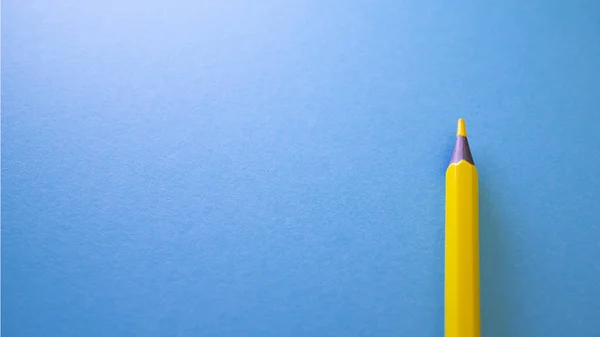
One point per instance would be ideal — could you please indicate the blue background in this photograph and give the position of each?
(276, 168)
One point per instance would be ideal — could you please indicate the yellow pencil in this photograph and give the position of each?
(462, 242)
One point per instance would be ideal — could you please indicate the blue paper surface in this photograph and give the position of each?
(276, 168)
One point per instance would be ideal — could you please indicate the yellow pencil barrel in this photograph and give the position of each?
(462, 316)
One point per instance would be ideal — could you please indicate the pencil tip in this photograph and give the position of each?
(462, 129)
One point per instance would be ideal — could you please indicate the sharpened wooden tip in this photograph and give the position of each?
(462, 129)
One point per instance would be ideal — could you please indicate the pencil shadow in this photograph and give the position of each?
(497, 300)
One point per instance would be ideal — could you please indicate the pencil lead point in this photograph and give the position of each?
(462, 129)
